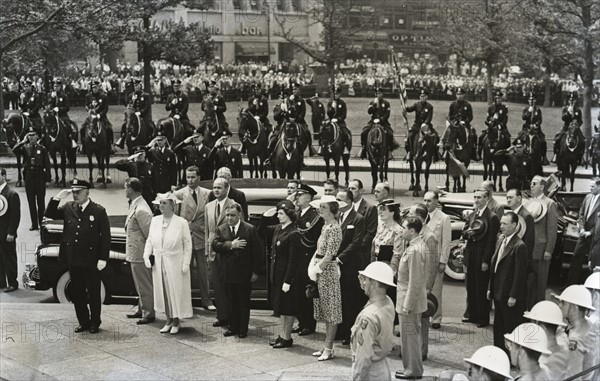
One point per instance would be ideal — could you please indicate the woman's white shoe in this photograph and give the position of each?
(175, 329)
(165, 329)
(327, 355)
(318, 353)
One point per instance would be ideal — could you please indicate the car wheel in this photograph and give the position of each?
(454, 267)
(62, 290)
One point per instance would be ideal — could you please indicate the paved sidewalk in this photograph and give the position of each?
(38, 343)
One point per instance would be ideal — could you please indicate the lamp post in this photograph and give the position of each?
(268, 8)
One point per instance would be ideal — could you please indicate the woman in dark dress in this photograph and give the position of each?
(286, 241)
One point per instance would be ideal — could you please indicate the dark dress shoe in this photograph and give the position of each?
(10, 288)
(220, 323)
(436, 326)
(297, 330)
(137, 315)
(32, 228)
(483, 325)
(467, 320)
(82, 328)
(346, 342)
(306, 332)
(145, 320)
(243, 335)
(275, 341)
(94, 329)
(230, 333)
(402, 376)
(284, 344)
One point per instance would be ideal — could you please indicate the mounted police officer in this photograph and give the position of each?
(219, 105)
(96, 102)
(141, 102)
(423, 113)
(281, 115)
(178, 105)
(379, 109)
(258, 107)
(59, 103)
(461, 112)
(136, 165)
(571, 112)
(30, 103)
(298, 112)
(532, 123)
(497, 114)
(36, 171)
(164, 161)
(337, 112)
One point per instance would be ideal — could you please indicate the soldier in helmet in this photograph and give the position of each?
(488, 363)
(177, 104)
(571, 112)
(30, 103)
(337, 111)
(526, 344)
(96, 102)
(164, 161)
(379, 109)
(317, 114)
(141, 103)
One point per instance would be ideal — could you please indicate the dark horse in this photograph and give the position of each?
(458, 140)
(570, 155)
(16, 127)
(57, 141)
(332, 148)
(253, 136)
(138, 134)
(288, 152)
(210, 124)
(595, 152)
(495, 157)
(422, 150)
(378, 153)
(176, 132)
(96, 144)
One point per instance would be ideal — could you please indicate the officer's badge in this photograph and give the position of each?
(134, 96)
(91, 218)
(32, 99)
(168, 159)
(360, 339)
(203, 155)
(38, 152)
(100, 100)
(149, 172)
(426, 110)
(340, 106)
(307, 224)
(500, 111)
(233, 160)
(299, 103)
(60, 99)
(572, 345)
(364, 323)
(180, 99)
(278, 243)
(142, 98)
(465, 107)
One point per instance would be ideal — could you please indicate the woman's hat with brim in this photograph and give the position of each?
(537, 209)
(285, 205)
(327, 199)
(478, 228)
(166, 196)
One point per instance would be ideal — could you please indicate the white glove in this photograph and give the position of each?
(376, 100)
(292, 97)
(101, 264)
(26, 113)
(447, 123)
(257, 117)
(174, 101)
(334, 120)
(53, 94)
(185, 268)
(188, 139)
(55, 109)
(177, 116)
(147, 263)
(285, 287)
(215, 107)
(138, 113)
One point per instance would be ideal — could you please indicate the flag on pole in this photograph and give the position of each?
(399, 84)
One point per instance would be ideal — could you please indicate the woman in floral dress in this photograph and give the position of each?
(324, 269)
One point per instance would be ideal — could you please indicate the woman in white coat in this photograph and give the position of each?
(170, 244)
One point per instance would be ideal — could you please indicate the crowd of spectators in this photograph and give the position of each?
(356, 78)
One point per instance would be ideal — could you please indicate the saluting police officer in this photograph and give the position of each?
(317, 112)
(337, 112)
(225, 155)
(258, 105)
(219, 105)
(195, 153)
(164, 161)
(85, 246)
(423, 113)
(36, 171)
(297, 110)
(137, 166)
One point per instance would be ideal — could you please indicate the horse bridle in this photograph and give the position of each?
(285, 139)
(53, 138)
(99, 128)
(248, 135)
(139, 120)
(336, 133)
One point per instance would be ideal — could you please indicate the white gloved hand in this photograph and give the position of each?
(138, 113)
(147, 262)
(26, 113)
(285, 287)
(257, 117)
(376, 100)
(174, 101)
(185, 268)
(334, 120)
(177, 116)
(101, 264)
(55, 109)
(215, 107)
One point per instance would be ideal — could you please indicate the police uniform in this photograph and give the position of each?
(85, 240)
(36, 172)
(497, 114)
(297, 110)
(583, 345)
(531, 117)
(30, 102)
(97, 103)
(178, 104)
(317, 115)
(231, 158)
(165, 167)
(60, 100)
(462, 111)
(142, 170)
(372, 339)
(423, 113)
(200, 156)
(378, 110)
(258, 105)
(281, 115)
(219, 107)
(337, 109)
(141, 102)
(563, 362)
(568, 118)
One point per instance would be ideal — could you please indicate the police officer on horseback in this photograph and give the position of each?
(178, 105)
(59, 103)
(298, 112)
(532, 124)
(497, 114)
(571, 112)
(30, 103)
(96, 102)
(423, 113)
(141, 102)
(280, 116)
(461, 112)
(379, 109)
(219, 106)
(337, 111)
(258, 107)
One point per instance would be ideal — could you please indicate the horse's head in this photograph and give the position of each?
(51, 122)
(328, 130)
(572, 139)
(95, 128)
(15, 126)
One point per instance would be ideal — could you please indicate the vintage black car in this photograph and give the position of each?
(454, 204)
(117, 281)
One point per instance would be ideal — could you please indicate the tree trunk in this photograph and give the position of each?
(547, 83)
(588, 75)
(331, 71)
(488, 81)
(1, 90)
(146, 60)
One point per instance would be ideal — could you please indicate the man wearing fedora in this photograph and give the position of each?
(508, 279)
(10, 217)
(545, 217)
(136, 165)
(227, 156)
(480, 233)
(195, 153)
(36, 172)
(85, 246)
(164, 161)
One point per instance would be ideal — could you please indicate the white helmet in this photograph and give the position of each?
(593, 281)
(546, 312)
(380, 272)
(531, 336)
(577, 294)
(493, 359)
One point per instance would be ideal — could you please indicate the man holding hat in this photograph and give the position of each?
(195, 153)
(526, 344)
(178, 104)
(337, 111)
(30, 103)
(423, 113)
(96, 102)
(10, 218)
(309, 227)
(141, 102)
(85, 246)
(373, 331)
(508, 279)
(227, 156)
(219, 105)
(379, 109)
(137, 166)
(164, 162)
(36, 172)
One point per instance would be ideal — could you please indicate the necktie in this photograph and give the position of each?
(341, 218)
(129, 202)
(218, 210)
(233, 231)
(80, 210)
(195, 196)
(427, 219)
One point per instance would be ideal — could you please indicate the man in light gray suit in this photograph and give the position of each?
(137, 225)
(193, 201)
(214, 216)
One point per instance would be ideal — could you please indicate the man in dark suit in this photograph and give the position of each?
(369, 212)
(508, 279)
(514, 200)
(234, 194)
(350, 261)
(587, 222)
(477, 257)
(10, 217)
(240, 248)
(85, 246)
(309, 226)
(197, 154)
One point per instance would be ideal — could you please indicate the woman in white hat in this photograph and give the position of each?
(324, 269)
(169, 243)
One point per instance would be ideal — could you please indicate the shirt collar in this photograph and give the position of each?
(222, 202)
(540, 196)
(518, 208)
(304, 210)
(414, 240)
(86, 204)
(356, 205)
(2, 187)
(236, 227)
(481, 211)
(510, 237)
(134, 200)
